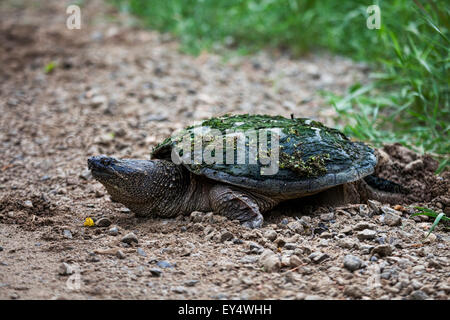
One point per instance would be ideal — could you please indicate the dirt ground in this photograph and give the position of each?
(117, 89)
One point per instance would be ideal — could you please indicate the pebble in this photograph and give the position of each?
(67, 234)
(130, 238)
(103, 222)
(255, 248)
(114, 231)
(225, 236)
(318, 257)
(418, 295)
(270, 235)
(363, 225)
(65, 269)
(197, 216)
(191, 283)
(86, 174)
(327, 216)
(382, 250)
(141, 252)
(164, 264)
(179, 289)
(120, 254)
(28, 204)
(305, 221)
(391, 217)
(375, 206)
(296, 227)
(295, 261)
(290, 246)
(156, 272)
(352, 263)
(353, 291)
(366, 234)
(270, 261)
(429, 238)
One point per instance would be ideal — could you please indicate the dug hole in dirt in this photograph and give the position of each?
(119, 90)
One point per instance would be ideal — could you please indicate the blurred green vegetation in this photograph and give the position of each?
(408, 99)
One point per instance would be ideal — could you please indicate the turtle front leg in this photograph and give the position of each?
(237, 204)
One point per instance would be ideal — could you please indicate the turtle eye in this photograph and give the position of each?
(105, 161)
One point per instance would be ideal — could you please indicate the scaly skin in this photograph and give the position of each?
(162, 188)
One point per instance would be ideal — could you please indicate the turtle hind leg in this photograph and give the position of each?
(236, 205)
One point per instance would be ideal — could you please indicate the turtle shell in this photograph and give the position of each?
(305, 156)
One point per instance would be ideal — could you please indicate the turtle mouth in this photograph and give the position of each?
(101, 166)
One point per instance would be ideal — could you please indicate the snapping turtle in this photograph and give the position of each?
(240, 167)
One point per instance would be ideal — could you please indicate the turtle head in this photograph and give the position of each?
(128, 181)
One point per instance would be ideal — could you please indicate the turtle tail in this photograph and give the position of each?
(385, 185)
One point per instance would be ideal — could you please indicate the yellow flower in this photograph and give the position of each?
(88, 222)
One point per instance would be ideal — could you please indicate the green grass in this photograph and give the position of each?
(438, 217)
(408, 98)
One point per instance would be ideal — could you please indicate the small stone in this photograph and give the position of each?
(327, 216)
(430, 238)
(255, 248)
(114, 231)
(130, 238)
(141, 252)
(318, 257)
(382, 250)
(418, 295)
(295, 261)
(391, 217)
(284, 222)
(120, 254)
(65, 269)
(179, 289)
(92, 257)
(97, 101)
(365, 211)
(305, 221)
(296, 227)
(270, 261)
(353, 291)
(363, 225)
(197, 216)
(67, 234)
(164, 264)
(366, 234)
(416, 284)
(225, 236)
(290, 246)
(86, 174)
(270, 235)
(352, 263)
(155, 272)
(326, 235)
(28, 204)
(374, 206)
(191, 283)
(103, 222)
